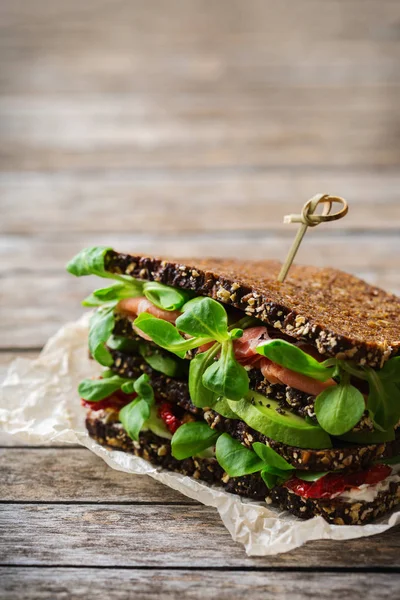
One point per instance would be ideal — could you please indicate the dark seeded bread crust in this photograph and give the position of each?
(340, 314)
(156, 450)
(335, 511)
(347, 457)
(289, 398)
(132, 366)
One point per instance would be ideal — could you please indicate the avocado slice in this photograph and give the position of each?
(222, 408)
(260, 413)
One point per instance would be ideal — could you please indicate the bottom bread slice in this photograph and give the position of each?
(107, 431)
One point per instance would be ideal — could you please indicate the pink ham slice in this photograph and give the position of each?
(245, 353)
(132, 307)
(244, 347)
(277, 374)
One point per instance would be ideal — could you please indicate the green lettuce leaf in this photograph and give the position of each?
(192, 438)
(201, 395)
(339, 408)
(204, 318)
(165, 335)
(116, 292)
(226, 377)
(165, 296)
(383, 399)
(94, 390)
(134, 415)
(90, 261)
(235, 459)
(291, 357)
(163, 363)
(271, 458)
(100, 329)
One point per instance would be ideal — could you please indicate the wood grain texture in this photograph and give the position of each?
(210, 200)
(87, 584)
(134, 85)
(367, 254)
(156, 137)
(224, 46)
(74, 475)
(187, 130)
(154, 535)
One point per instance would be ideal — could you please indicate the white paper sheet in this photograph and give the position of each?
(39, 404)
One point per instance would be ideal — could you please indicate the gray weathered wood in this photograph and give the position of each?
(155, 535)
(190, 130)
(196, 90)
(371, 255)
(212, 46)
(117, 584)
(199, 200)
(217, 138)
(74, 475)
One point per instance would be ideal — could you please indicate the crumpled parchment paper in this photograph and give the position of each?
(39, 404)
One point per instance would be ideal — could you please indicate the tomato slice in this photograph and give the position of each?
(332, 485)
(116, 401)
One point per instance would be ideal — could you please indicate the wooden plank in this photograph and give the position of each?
(25, 258)
(160, 536)
(107, 135)
(87, 584)
(199, 200)
(192, 45)
(74, 474)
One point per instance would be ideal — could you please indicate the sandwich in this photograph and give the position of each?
(286, 393)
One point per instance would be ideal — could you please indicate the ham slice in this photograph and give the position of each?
(277, 374)
(244, 348)
(132, 307)
(245, 353)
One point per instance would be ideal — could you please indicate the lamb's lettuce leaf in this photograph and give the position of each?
(192, 438)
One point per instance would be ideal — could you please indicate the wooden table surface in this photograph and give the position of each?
(185, 127)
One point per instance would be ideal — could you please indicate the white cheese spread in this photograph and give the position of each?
(368, 493)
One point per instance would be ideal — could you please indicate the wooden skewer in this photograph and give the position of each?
(307, 218)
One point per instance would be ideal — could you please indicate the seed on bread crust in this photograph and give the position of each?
(158, 451)
(338, 313)
(348, 458)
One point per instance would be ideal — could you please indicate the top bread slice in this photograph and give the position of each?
(341, 315)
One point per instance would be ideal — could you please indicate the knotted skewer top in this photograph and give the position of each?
(307, 218)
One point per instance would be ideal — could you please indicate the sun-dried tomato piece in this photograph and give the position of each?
(332, 485)
(117, 400)
(166, 413)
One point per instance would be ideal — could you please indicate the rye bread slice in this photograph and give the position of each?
(156, 450)
(338, 313)
(347, 457)
(289, 398)
(335, 511)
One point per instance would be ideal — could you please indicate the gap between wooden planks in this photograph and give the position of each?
(87, 583)
(144, 522)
